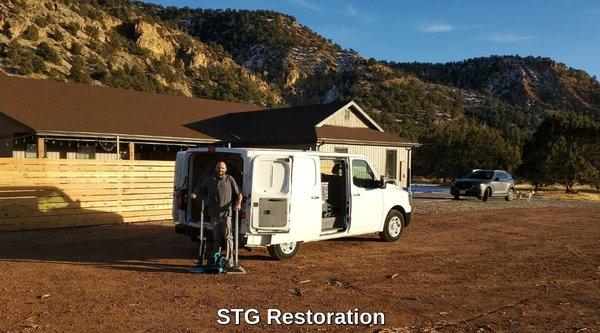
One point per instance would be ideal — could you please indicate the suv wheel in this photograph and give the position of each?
(487, 194)
(511, 194)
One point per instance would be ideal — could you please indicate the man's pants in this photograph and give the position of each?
(222, 232)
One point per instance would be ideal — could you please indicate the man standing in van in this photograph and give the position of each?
(221, 190)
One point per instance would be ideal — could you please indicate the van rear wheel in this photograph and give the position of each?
(283, 251)
(393, 227)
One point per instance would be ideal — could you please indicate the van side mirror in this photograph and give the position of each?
(382, 183)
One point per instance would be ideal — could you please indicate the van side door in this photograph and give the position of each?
(270, 195)
(366, 198)
(307, 204)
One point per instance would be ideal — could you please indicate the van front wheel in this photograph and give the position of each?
(283, 251)
(393, 227)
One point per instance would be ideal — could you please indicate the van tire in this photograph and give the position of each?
(283, 251)
(393, 226)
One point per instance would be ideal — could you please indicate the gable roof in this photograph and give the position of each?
(43, 105)
(286, 125)
(361, 114)
(295, 125)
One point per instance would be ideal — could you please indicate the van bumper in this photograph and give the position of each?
(407, 219)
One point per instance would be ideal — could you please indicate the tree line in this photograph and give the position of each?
(564, 149)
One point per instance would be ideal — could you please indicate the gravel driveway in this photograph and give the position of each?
(431, 205)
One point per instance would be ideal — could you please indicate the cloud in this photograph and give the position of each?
(359, 15)
(507, 37)
(307, 5)
(436, 27)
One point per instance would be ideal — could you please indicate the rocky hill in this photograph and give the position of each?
(529, 82)
(86, 42)
(270, 59)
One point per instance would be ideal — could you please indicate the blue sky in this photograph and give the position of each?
(440, 31)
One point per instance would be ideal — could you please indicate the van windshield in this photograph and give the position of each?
(480, 174)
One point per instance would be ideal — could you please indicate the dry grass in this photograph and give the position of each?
(585, 193)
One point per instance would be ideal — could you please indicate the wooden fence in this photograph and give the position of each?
(50, 193)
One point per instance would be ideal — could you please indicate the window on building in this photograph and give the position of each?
(85, 153)
(347, 114)
(341, 150)
(362, 175)
(391, 164)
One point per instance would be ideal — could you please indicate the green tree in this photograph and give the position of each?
(47, 52)
(452, 149)
(71, 27)
(79, 72)
(31, 33)
(564, 149)
(76, 48)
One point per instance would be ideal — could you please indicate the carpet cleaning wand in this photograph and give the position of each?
(236, 268)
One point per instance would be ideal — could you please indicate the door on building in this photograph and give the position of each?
(391, 164)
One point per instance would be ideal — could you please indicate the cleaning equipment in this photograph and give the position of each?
(216, 262)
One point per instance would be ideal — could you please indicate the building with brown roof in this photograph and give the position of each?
(47, 119)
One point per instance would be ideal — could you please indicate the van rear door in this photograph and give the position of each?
(270, 196)
(180, 187)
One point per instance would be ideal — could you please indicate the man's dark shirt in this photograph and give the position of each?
(220, 192)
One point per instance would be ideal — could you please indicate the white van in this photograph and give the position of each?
(291, 197)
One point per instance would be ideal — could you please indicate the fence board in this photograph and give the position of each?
(50, 193)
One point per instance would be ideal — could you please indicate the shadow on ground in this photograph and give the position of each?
(138, 247)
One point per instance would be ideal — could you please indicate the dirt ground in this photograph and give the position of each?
(501, 270)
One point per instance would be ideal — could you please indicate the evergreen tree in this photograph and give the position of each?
(564, 149)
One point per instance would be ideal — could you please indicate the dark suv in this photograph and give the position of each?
(484, 184)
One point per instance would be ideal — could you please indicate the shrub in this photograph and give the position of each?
(92, 31)
(40, 22)
(47, 52)
(38, 64)
(76, 48)
(31, 33)
(78, 71)
(71, 27)
(56, 35)
(25, 61)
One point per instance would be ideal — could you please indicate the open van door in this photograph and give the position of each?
(270, 197)
(180, 187)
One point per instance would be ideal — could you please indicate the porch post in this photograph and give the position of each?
(41, 147)
(131, 151)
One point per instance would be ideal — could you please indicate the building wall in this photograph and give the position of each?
(377, 156)
(346, 118)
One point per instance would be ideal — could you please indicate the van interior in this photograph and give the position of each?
(202, 166)
(334, 195)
